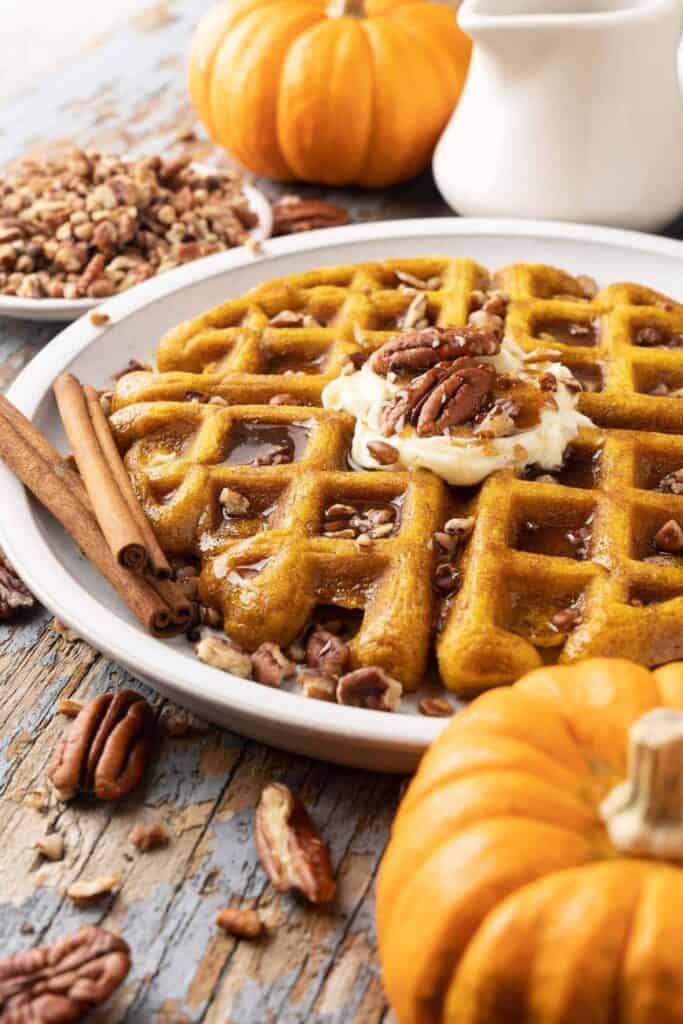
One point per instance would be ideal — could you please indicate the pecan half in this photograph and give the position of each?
(290, 847)
(420, 350)
(14, 595)
(369, 687)
(292, 214)
(326, 652)
(62, 982)
(106, 749)
(445, 396)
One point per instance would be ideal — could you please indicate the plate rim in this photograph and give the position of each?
(185, 679)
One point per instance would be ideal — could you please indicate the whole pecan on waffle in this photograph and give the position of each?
(61, 983)
(445, 396)
(14, 595)
(107, 747)
(413, 351)
(292, 214)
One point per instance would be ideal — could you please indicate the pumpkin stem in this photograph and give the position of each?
(346, 8)
(644, 814)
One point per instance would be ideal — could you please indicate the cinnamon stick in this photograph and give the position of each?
(31, 458)
(120, 529)
(178, 602)
(158, 562)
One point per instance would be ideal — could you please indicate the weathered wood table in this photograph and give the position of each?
(128, 94)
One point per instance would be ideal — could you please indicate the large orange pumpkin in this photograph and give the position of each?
(356, 93)
(515, 890)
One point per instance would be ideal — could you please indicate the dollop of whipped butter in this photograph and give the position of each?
(462, 459)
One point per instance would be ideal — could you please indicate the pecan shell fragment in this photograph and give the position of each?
(290, 848)
(106, 750)
(61, 983)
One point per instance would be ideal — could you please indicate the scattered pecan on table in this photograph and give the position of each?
(61, 983)
(106, 749)
(290, 847)
(292, 214)
(14, 595)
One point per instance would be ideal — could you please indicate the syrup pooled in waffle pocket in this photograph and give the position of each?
(473, 469)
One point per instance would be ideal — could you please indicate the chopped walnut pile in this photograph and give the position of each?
(89, 225)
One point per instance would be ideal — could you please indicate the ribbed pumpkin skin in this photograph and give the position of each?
(501, 899)
(294, 93)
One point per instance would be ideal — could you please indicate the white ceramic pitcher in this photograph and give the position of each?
(571, 110)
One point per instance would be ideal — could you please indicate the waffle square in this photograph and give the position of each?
(527, 595)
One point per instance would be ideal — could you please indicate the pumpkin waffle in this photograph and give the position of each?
(557, 567)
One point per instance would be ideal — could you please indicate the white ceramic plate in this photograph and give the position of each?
(66, 310)
(69, 587)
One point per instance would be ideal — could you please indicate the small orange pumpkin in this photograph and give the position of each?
(521, 885)
(355, 93)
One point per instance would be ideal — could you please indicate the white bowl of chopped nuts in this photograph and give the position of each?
(77, 229)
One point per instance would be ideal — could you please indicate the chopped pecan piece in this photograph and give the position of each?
(672, 483)
(436, 707)
(566, 619)
(292, 214)
(283, 399)
(106, 749)
(270, 666)
(414, 351)
(70, 707)
(316, 685)
(60, 983)
(446, 578)
(290, 847)
(415, 316)
(233, 503)
(429, 284)
(383, 453)
(149, 837)
(51, 846)
(327, 653)
(499, 421)
(460, 526)
(650, 337)
(669, 537)
(243, 924)
(369, 687)
(92, 890)
(14, 595)
(222, 653)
